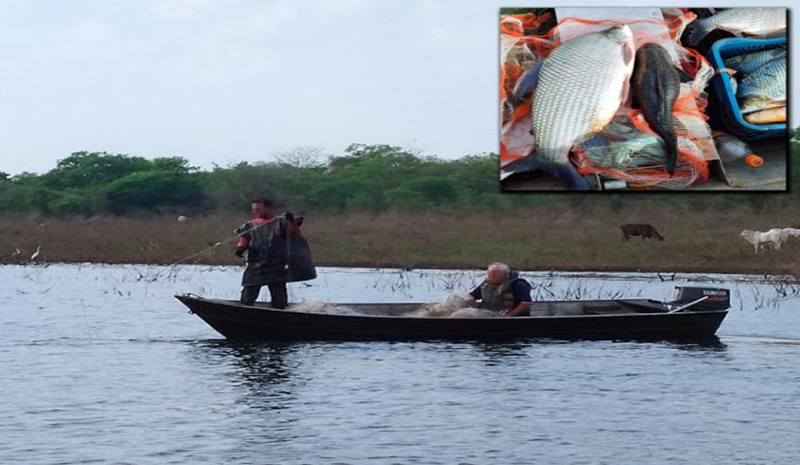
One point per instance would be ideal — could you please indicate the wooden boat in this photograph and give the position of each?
(695, 314)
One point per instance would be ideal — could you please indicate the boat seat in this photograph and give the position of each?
(644, 306)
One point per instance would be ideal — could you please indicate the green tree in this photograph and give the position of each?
(436, 190)
(175, 164)
(83, 169)
(404, 198)
(154, 190)
(87, 201)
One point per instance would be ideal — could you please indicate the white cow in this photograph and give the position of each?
(775, 237)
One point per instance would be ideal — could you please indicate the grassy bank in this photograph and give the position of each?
(535, 238)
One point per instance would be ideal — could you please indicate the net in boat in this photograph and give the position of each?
(520, 50)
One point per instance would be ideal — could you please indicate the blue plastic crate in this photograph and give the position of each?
(731, 115)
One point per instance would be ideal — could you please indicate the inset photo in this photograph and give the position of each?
(643, 99)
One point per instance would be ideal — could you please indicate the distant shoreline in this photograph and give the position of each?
(537, 239)
(715, 277)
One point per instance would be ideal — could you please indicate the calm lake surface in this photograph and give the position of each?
(100, 364)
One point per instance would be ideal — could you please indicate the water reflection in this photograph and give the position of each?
(498, 353)
(258, 364)
(710, 345)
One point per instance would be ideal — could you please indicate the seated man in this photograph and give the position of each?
(503, 291)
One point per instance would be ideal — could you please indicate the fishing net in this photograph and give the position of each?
(451, 307)
(318, 306)
(519, 51)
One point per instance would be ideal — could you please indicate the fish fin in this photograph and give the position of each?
(564, 172)
(626, 90)
(699, 30)
(628, 53)
(599, 140)
(526, 83)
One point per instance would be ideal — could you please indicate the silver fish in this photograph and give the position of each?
(749, 62)
(620, 145)
(753, 21)
(578, 89)
(763, 88)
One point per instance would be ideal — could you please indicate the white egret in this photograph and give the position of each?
(36, 254)
(16, 253)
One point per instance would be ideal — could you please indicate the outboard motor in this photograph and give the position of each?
(718, 298)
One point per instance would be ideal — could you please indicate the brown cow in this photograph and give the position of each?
(647, 231)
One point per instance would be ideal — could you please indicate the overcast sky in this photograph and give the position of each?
(231, 80)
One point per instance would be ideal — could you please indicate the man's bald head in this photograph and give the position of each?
(497, 273)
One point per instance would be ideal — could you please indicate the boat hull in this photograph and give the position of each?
(240, 322)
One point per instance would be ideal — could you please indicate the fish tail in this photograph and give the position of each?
(672, 152)
(699, 31)
(526, 83)
(564, 172)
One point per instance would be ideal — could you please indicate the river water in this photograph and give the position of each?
(100, 364)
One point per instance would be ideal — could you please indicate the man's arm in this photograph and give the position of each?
(473, 296)
(521, 291)
(521, 307)
(243, 240)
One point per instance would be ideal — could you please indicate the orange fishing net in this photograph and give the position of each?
(520, 51)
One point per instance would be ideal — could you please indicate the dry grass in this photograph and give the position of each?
(536, 238)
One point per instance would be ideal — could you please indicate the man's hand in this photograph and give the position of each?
(521, 307)
(240, 251)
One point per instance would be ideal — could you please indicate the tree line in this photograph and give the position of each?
(363, 178)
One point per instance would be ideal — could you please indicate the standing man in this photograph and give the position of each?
(276, 254)
(503, 291)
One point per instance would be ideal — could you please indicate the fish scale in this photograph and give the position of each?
(763, 88)
(580, 88)
(750, 62)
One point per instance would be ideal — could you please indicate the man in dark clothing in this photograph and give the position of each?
(502, 291)
(276, 254)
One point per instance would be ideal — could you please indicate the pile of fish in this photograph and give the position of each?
(579, 87)
(759, 81)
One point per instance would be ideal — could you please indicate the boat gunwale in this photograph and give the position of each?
(231, 304)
